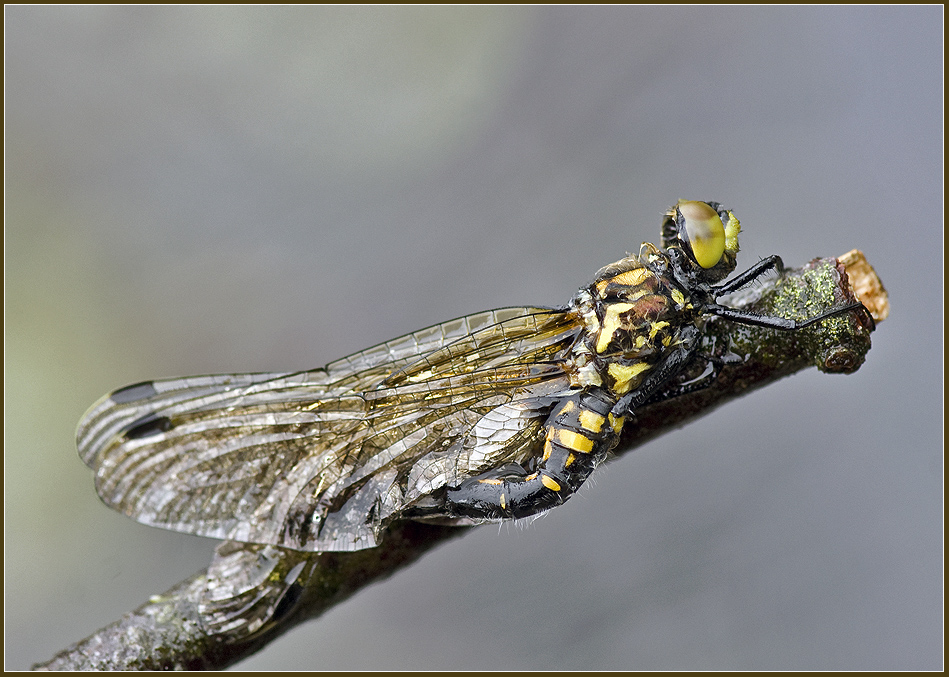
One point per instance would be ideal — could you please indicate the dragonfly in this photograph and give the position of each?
(498, 415)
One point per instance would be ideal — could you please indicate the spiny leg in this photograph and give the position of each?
(774, 322)
(744, 279)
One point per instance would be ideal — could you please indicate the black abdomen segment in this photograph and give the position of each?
(579, 433)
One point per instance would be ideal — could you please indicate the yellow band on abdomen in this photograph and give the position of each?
(571, 440)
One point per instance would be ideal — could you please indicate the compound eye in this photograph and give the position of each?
(702, 228)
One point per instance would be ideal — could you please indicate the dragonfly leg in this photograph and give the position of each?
(776, 322)
(579, 433)
(773, 262)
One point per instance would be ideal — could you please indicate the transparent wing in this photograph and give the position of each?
(323, 459)
(249, 587)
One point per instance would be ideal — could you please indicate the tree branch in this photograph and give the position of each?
(178, 629)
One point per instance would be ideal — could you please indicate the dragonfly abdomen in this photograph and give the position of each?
(579, 432)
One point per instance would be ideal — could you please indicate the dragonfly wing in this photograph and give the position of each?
(133, 407)
(249, 587)
(323, 459)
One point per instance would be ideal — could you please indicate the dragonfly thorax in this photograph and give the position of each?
(633, 314)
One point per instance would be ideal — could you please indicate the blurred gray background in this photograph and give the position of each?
(225, 189)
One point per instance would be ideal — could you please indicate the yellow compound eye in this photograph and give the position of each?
(704, 231)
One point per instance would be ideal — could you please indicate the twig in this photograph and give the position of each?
(173, 631)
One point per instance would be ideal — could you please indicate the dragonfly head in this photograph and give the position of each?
(702, 238)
